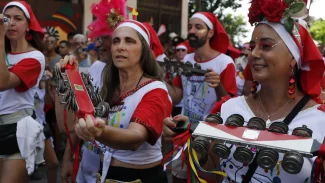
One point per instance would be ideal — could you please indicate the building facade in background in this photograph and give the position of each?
(64, 16)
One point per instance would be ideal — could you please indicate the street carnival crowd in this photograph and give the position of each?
(279, 69)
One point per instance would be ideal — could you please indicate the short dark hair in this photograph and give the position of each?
(70, 35)
(66, 43)
(51, 35)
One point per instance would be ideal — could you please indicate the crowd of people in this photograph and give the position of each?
(267, 78)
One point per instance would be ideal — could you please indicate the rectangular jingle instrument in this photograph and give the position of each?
(175, 66)
(283, 143)
(76, 95)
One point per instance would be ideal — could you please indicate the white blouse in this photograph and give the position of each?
(313, 118)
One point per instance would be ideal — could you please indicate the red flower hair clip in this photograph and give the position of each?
(277, 11)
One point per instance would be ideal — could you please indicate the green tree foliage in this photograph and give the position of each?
(317, 30)
(234, 25)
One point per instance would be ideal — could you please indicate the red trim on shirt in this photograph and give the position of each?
(177, 81)
(154, 107)
(133, 91)
(28, 71)
(228, 79)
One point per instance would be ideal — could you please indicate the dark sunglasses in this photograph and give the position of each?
(182, 50)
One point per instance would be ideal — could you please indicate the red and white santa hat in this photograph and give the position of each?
(186, 46)
(25, 7)
(308, 58)
(181, 46)
(220, 40)
(300, 44)
(155, 43)
(138, 26)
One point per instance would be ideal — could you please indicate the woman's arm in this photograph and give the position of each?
(7, 80)
(145, 126)
(124, 139)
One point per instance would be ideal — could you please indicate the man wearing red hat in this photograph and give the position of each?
(182, 49)
(199, 93)
(210, 41)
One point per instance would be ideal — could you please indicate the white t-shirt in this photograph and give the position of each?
(198, 97)
(11, 100)
(311, 117)
(39, 105)
(95, 71)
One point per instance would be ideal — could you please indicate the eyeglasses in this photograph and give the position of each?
(182, 50)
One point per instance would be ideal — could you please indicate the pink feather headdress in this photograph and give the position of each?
(108, 13)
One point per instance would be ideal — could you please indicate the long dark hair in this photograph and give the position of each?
(36, 41)
(110, 75)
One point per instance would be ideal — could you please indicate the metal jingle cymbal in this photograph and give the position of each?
(187, 73)
(180, 71)
(292, 162)
(279, 127)
(72, 101)
(197, 66)
(200, 147)
(61, 86)
(303, 131)
(214, 118)
(203, 140)
(189, 64)
(202, 154)
(98, 98)
(102, 109)
(204, 159)
(65, 97)
(70, 98)
(221, 150)
(235, 120)
(172, 69)
(256, 123)
(243, 155)
(89, 89)
(56, 74)
(267, 158)
(199, 144)
(74, 104)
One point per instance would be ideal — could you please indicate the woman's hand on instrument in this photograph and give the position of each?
(212, 78)
(171, 123)
(89, 130)
(67, 60)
